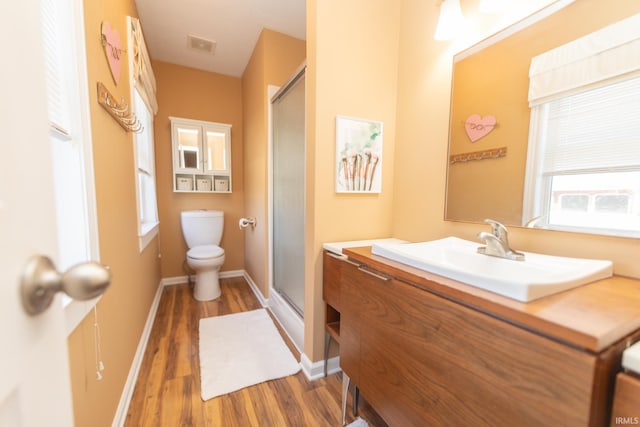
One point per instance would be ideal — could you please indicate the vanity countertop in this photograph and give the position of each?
(337, 247)
(592, 316)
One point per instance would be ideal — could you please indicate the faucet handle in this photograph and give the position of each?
(497, 242)
(497, 228)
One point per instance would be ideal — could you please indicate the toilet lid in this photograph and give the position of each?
(205, 251)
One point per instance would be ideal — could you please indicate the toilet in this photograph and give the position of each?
(202, 230)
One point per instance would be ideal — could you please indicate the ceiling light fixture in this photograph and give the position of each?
(492, 6)
(450, 22)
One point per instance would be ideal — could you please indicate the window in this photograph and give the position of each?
(68, 109)
(583, 165)
(586, 177)
(145, 171)
(144, 106)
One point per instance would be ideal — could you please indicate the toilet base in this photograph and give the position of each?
(207, 285)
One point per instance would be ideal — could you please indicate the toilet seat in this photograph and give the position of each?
(205, 252)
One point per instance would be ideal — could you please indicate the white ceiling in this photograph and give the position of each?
(234, 25)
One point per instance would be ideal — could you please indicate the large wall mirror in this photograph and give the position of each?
(527, 154)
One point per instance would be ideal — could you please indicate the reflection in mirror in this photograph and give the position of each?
(570, 147)
(216, 159)
(188, 148)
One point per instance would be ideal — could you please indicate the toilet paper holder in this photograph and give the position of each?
(246, 222)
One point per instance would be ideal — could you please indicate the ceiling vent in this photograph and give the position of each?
(201, 44)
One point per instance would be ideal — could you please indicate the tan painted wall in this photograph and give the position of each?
(352, 64)
(199, 95)
(124, 307)
(274, 59)
(423, 109)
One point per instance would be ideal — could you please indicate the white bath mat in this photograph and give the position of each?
(240, 350)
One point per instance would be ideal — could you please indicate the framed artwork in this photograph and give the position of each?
(358, 155)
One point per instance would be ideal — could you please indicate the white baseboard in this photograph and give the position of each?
(232, 273)
(263, 301)
(170, 281)
(315, 370)
(127, 392)
(334, 365)
(178, 280)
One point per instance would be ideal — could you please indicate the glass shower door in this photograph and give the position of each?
(288, 107)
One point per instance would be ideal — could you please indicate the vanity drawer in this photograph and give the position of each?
(331, 266)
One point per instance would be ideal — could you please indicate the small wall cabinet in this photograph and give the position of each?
(201, 156)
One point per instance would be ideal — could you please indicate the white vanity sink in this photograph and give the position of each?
(535, 277)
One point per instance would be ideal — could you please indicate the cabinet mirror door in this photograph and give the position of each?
(188, 139)
(216, 149)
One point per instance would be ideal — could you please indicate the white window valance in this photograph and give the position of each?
(143, 77)
(602, 57)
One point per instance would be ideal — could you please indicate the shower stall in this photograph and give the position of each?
(287, 174)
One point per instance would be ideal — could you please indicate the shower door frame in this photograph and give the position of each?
(287, 316)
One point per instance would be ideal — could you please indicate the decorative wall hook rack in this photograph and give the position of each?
(493, 153)
(118, 110)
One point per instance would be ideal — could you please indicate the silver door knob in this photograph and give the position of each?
(40, 281)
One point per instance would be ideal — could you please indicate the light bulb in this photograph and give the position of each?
(492, 6)
(450, 21)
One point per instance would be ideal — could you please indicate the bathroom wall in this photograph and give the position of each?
(123, 309)
(199, 95)
(423, 110)
(352, 59)
(274, 59)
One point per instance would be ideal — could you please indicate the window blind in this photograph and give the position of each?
(54, 40)
(144, 80)
(594, 131)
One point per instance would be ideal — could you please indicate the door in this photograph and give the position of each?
(34, 385)
(289, 160)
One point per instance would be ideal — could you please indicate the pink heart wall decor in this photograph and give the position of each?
(478, 127)
(113, 49)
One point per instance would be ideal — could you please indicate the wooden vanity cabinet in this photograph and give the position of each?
(331, 266)
(423, 359)
(331, 294)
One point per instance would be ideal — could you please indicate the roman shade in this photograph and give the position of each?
(597, 59)
(144, 80)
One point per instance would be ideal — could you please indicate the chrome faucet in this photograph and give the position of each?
(497, 242)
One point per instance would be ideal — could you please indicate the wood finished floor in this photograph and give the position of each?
(167, 392)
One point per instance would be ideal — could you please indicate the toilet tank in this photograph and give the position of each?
(202, 227)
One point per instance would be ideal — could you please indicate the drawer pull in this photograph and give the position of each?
(342, 257)
(337, 256)
(376, 275)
